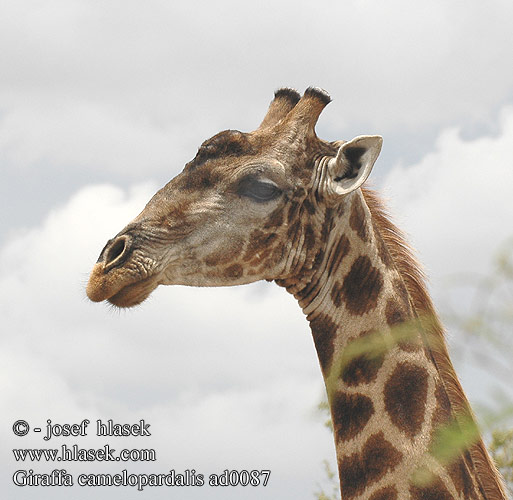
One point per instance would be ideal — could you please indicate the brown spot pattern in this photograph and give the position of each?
(364, 368)
(272, 256)
(460, 476)
(410, 345)
(442, 413)
(323, 332)
(336, 294)
(258, 241)
(441, 419)
(386, 493)
(338, 253)
(293, 211)
(226, 143)
(396, 313)
(299, 193)
(358, 471)
(310, 208)
(234, 271)
(319, 256)
(292, 230)
(224, 255)
(351, 412)
(357, 220)
(309, 237)
(405, 397)
(203, 178)
(260, 257)
(278, 253)
(435, 491)
(362, 286)
(275, 219)
(383, 252)
(327, 224)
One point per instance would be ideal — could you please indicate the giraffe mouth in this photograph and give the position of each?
(119, 287)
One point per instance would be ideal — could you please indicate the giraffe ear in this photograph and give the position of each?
(353, 163)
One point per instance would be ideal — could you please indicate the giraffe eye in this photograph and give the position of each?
(258, 190)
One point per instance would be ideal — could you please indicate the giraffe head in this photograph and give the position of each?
(246, 208)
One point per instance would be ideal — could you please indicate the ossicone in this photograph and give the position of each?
(303, 117)
(284, 100)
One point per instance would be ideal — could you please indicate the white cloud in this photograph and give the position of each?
(456, 202)
(84, 135)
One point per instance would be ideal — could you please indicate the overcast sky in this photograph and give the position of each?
(101, 103)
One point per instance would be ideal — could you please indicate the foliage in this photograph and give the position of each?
(501, 449)
(332, 480)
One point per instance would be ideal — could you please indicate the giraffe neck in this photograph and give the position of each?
(389, 404)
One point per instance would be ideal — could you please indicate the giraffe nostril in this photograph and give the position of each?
(116, 251)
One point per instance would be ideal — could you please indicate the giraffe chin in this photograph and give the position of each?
(134, 294)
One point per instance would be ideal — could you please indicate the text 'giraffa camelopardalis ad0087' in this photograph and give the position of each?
(281, 204)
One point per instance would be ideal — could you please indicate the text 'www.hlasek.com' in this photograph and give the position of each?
(72, 452)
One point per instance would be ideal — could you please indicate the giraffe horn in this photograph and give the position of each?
(305, 114)
(284, 100)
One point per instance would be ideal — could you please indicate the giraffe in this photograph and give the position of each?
(280, 204)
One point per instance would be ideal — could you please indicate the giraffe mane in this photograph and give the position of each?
(415, 281)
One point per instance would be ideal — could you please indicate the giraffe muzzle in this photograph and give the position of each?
(118, 276)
